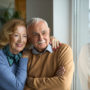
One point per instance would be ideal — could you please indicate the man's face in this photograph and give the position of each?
(39, 35)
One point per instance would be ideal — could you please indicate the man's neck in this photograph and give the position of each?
(40, 51)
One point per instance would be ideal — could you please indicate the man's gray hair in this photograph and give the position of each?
(36, 20)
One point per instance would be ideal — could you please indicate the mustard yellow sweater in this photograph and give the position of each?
(42, 69)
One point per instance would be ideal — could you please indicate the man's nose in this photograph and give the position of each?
(41, 37)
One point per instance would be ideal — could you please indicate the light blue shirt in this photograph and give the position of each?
(12, 77)
(49, 49)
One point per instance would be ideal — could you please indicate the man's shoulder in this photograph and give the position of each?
(63, 46)
(27, 53)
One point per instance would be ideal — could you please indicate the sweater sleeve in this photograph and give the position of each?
(61, 82)
(9, 80)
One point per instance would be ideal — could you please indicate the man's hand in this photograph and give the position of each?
(60, 71)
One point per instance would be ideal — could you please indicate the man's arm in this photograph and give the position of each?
(63, 82)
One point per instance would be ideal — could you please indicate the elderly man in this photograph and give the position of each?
(44, 63)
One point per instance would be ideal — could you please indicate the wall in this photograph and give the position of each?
(62, 20)
(56, 12)
(40, 8)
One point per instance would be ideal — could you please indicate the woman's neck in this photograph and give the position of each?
(13, 51)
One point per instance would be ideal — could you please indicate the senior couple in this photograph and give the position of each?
(37, 68)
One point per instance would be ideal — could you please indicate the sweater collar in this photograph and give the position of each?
(49, 49)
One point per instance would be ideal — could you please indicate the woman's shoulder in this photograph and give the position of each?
(2, 55)
(1, 52)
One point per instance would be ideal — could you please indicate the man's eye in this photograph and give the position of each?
(35, 34)
(43, 33)
(25, 36)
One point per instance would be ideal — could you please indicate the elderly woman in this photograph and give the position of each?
(13, 65)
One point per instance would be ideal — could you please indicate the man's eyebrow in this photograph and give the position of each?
(35, 33)
(43, 30)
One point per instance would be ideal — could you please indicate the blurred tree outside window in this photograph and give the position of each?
(7, 14)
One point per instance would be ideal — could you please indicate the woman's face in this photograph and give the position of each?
(18, 40)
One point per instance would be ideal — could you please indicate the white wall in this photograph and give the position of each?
(62, 20)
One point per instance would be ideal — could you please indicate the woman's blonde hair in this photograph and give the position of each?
(8, 29)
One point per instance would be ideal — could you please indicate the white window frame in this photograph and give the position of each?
(79, 29)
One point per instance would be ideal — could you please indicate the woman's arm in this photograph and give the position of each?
(54, 42)
(9, 80)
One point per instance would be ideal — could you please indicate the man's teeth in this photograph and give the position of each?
(40, 42)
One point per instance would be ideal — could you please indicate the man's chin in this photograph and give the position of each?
(42, 46)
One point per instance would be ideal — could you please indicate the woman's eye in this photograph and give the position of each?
(16, 35)
(25, 36)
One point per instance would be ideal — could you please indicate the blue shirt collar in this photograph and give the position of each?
(49, 49)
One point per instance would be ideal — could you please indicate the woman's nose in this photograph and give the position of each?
(20, 39)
